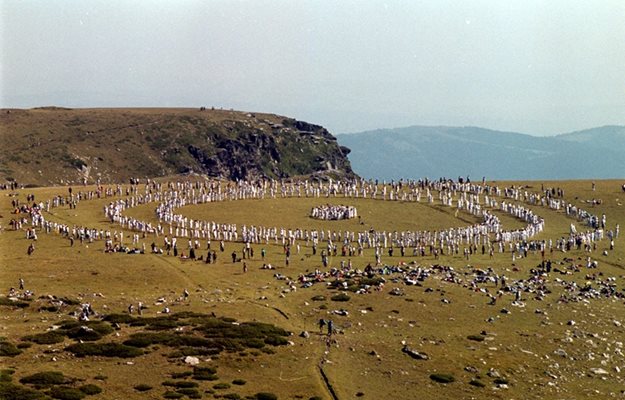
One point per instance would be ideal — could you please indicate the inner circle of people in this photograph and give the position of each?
(332, 212)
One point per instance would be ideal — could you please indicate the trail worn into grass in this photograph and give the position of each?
(326, 381)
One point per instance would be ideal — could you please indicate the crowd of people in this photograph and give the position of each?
(480, 200)
(332, 212)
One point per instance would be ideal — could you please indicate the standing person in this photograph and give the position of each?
(244, 267)
(322, 323)
(31, 249)
(21, 281)
(234, 256)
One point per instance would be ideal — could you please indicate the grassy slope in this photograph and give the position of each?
(48, 146)
(522, 348)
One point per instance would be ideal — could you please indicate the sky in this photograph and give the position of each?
(538, 67)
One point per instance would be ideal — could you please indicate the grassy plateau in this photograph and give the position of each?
(256, 335)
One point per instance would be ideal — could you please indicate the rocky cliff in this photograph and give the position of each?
(56, 145)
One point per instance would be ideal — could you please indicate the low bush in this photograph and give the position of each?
(221, 386)
(265, 396)
(66, 393)
(318, 297)
(239, 382)
(276, 341)
(50, 337)
(8, 349)
(119, 318)
(104, 350)
(190, 392)
(6, 375)
(180, 384)
(90, 389)
(10, 391)
(46, 378)
(476, 383)
(477, 338)
(204, 374)
(5, 301)
(181, 375)
(340, 297)
(142, 387)
(172, 395)
(442, 378)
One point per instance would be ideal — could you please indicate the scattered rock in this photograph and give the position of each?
(191, 360)
(561, 353)
(599, 371)
(414, 353)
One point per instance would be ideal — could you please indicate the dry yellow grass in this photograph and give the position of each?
(366, 356)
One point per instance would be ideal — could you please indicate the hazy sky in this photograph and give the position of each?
(531, 66)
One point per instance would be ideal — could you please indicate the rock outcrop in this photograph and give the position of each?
(55, 145)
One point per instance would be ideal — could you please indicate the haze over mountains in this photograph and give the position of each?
(439, 151)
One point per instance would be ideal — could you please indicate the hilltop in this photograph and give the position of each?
(52, 145)
(435, 151)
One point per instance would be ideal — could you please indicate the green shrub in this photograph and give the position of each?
(8, 350)
(6, 375)
(340, 297)
(188, 391)
(50, 337)
(10, 391)
(221, 386)
(49, 308)
(180, 384)
(119, 318)
(477, 338)
(318, 297)
(231, 396)
(476, 383)
(4, 301)
(91, 331)
(265, 396)
(172, 395)
(204, 374)
(69, 302)
(142, 387)
(442, 378)
(104, 349)
(23, 345)
(90, 389)
(46, 378)
(180, 375)
(66, 393)
(239, 382)
(276, 341)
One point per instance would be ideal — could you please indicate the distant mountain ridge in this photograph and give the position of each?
(436, 151)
